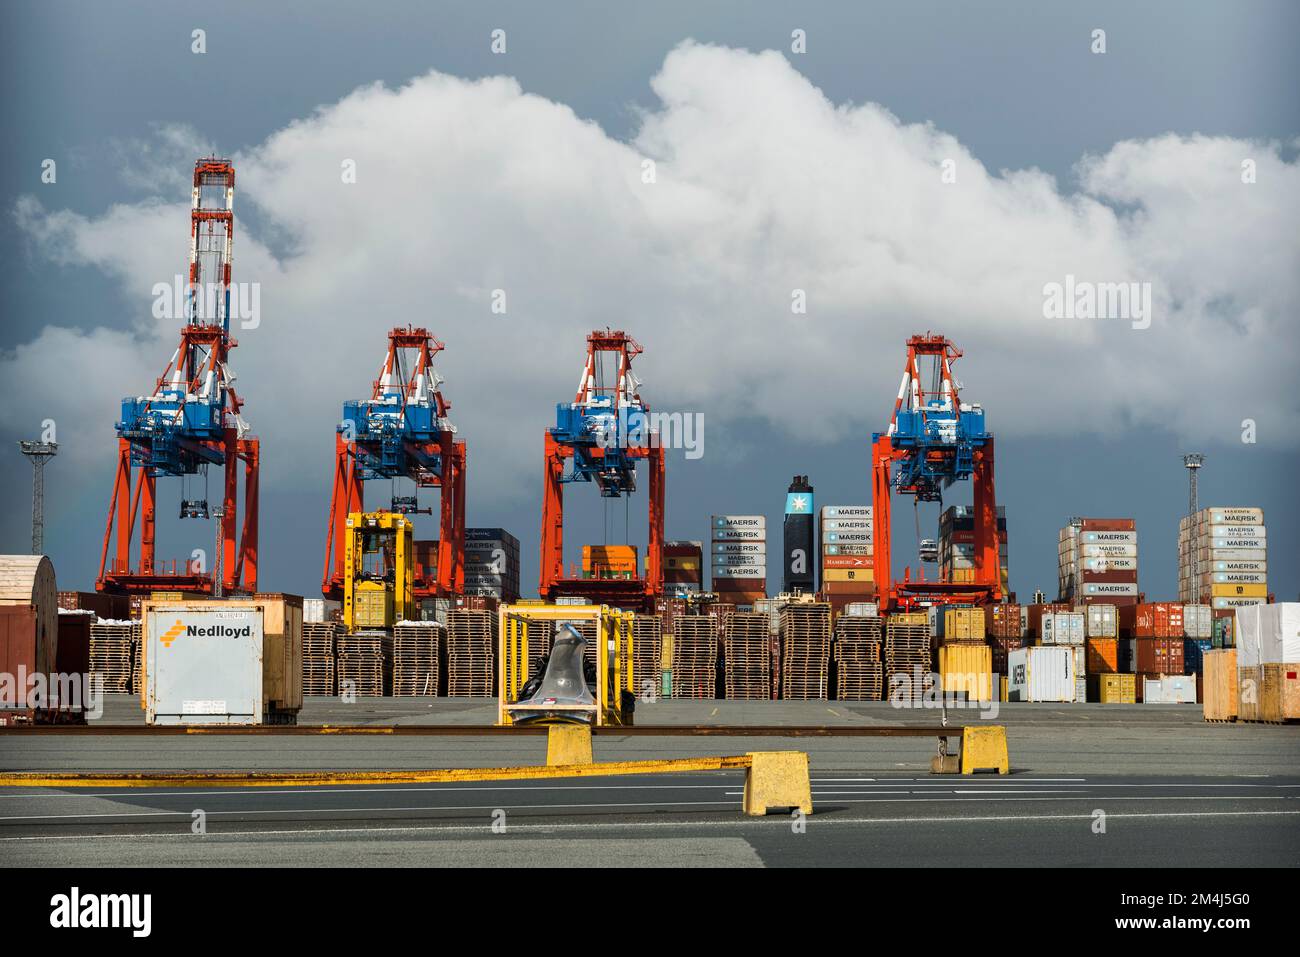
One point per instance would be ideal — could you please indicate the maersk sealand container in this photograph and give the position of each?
(798, 558)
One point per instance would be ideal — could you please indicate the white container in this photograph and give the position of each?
(1108, 550)
(736, 522)
(1063, 628)
(740, 548)
(728, 559)
(1109, 538)
(846, 524)
(1198, 621)
(1253, 543)
(739, 534)
(1267, 634)
(862, 609)
(1040, 673)
(740, 571)
(1169, 689)
(1101, 621)
(1233, 516)
(203, 666)
(1110, 588)
(1233, 566)
(846, 511)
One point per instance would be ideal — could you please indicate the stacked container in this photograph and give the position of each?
(798, 561)
(1097, 561)
(1222, 558)
(683, 568)
(738, 552)
(847, 550)
(492, 564)
(1101, 655)
(957, 544)
(965, 658)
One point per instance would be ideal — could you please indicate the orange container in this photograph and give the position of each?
(1101, 656)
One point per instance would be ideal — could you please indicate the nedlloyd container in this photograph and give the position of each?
(1041, 673)
(204, 665)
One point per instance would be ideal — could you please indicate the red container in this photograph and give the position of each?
(1162, 619)
(1109, 525)
(847, 561)
(968, 538)
(1157, 656)
(17, 651)
(1111, 578)
(1002, 621)
(1000, 648)
(115, 607)
(72, 656)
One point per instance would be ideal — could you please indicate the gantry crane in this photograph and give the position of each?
(191, 420)
(933, 440)
(401, 432)
(603, 432)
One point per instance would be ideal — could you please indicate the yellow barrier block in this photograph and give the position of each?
(568, 744)
(984, 749)
(777, 780)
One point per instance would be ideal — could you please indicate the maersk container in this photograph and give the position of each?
(1041, 673)
(204, 665)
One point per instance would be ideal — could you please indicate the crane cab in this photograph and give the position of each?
(378, 571)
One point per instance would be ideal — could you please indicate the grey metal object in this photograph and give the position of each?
(1193, 461)
(218, 559)
(39, 453)
(203, 666)
(563, 693)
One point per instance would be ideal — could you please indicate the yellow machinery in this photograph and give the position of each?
(378, 569)
(615, 691)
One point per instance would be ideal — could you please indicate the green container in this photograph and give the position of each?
(668, 683)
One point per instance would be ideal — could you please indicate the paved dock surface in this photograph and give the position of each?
(1092, 785)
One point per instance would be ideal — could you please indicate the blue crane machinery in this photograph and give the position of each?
(191, 420)
(603, 433)
(401, 432)
(934, 439)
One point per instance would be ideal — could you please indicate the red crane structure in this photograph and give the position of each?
(603, 433)
(933, 440)
(191, 420)
(401, 432)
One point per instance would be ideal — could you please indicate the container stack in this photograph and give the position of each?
(695, 657)
(747, 657)
(859, 668)
(1268, 662)
(1101, 656)
(847, 555)
(1198, 632)
(492, 564)
(1223, 558)
(1151, 649)
(739, 559)
(907, 656)
(318, 656)
(965, 658)
(417, 653)
(1004, 626)
(113, 652)
(1097, 561)
(805, 650)
(471, 653)
(424, 562)
(683, 568)
(364, 665)
(957, 544)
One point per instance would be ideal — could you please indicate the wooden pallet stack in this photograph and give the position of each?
(859, 668)
(364, 664)
(695, 657)
(471, 653)
(907, 656)
(747, 657)
(113, 654)
(417, 655)
(805, 650)
(647, 654)
(318, 657)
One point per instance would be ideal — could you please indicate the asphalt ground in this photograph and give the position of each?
(680, 820)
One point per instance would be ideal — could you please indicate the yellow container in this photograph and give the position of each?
(963, 624)
(1117, 689)
(848, 575)
(910, 618)
(1239, 591)
(373, 606)
(967, 668)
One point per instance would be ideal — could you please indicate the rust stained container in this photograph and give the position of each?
(1151, 620)
(1156, 656)
(1108, 525)
(1003, 621)
(17, 648)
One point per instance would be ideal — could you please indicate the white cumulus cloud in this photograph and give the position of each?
(762, 186)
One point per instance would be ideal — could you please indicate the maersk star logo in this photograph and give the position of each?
(799, 504)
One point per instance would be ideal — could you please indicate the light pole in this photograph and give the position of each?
(1193, 461)
(39, 453)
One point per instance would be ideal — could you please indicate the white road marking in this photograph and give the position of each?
(778, 821)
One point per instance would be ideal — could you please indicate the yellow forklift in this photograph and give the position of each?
(378, 572)
(560, 687)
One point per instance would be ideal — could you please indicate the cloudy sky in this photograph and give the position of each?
(926, 169)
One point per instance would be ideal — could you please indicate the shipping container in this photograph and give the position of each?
(1041, 673)
(1003, 621)
(1062, 628)
(1101, 621)
(1167, 689)
(1161, 656)
(966, 669)
(204, 663)
(1113, 689)
(1151, 620)
(1102, 655)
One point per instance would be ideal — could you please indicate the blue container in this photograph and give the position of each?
(1194, 650)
